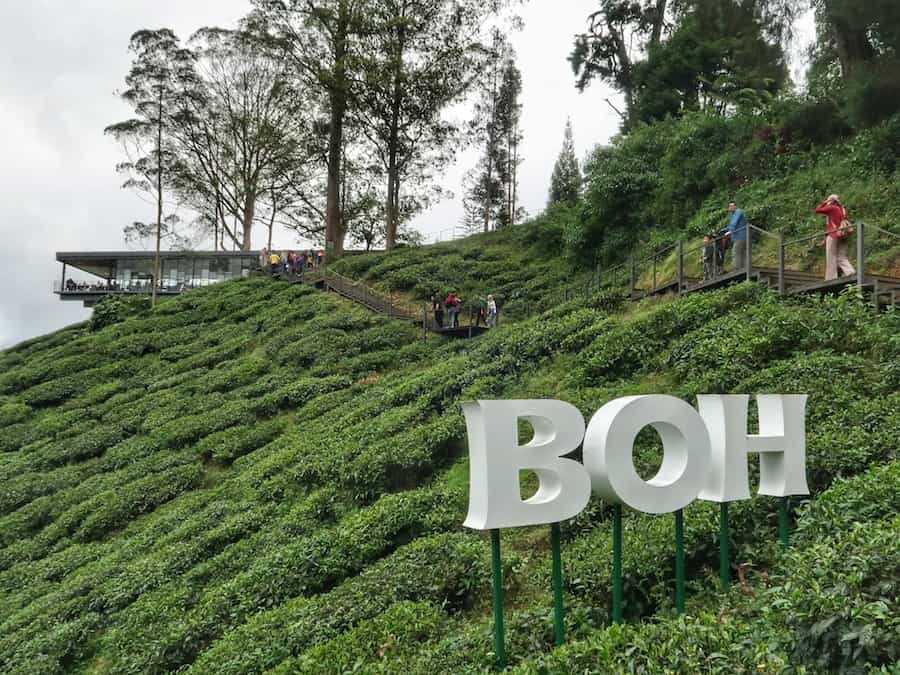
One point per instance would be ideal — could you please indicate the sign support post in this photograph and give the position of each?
(723, 546)
(558, 620)
(679, 561)
(783, 535)
(499, 646)
(617, 564)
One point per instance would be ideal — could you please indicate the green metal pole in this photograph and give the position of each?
(679, 561)
(723, 545)
(617, 564)
(559, 629)
(783, 535)
(499, 646)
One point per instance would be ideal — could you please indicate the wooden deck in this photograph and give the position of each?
(884, 289)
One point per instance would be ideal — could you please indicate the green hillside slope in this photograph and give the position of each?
(257, 476)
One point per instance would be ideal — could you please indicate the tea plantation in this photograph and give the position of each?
(258, 477)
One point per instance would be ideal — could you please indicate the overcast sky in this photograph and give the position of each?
(61, 62)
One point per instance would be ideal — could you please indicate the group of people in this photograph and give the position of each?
(838, 229)
(290, 262)
(484, 311)
(81, 286)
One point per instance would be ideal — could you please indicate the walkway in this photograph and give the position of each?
(676, 269)
(387, 305)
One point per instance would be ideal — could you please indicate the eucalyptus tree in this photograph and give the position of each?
(509, 113)
(319, 41)
(491, 185)
(154, 82)
(242, 134)
(418, 58)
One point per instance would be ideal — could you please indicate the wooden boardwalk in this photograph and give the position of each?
(882, 288)
(386, 305)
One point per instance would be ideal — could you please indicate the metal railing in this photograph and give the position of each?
(130, 289)
(685, 266)
(367, 296)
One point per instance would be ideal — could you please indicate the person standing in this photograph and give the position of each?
(491, 312)
(264, 259)
(301, 263)
(480, 311)
(737, 233)
(437, 307)
(837, 231)
(452, 305)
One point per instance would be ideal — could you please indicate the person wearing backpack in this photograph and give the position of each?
(838, 230)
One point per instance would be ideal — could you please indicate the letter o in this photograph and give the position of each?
(609, 446)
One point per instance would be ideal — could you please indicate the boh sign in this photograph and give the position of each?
(705, 456)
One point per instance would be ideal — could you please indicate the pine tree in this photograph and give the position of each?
(509, 112)
(491, 187)
(565, 183)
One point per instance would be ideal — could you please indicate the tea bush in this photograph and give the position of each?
(259, 476)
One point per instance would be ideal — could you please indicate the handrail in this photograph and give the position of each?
(880, 229)
(762, 231)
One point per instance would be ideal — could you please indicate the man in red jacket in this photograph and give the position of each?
(835, 238)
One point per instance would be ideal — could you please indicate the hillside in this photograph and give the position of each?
(259, 476)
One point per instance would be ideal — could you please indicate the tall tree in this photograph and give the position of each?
(241, 132)
(494, 125)
(667, 57)
(565, 182)
(319, 39)
(861, 42)
(617, 34)
(418, 59)
(509, 113)
(153, 91)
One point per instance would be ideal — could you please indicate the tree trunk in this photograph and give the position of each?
(852, 45)
(247, 221)
(659, 20)
(515, 174)
(392, 210)
(334, 240)
(159, 200)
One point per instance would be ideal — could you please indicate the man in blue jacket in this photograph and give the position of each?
(737, 234)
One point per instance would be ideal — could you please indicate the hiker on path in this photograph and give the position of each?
(491, 312)
(452, 304)
(737, 234)
(480, 311)
(838, 230)
(301, 263)
(438, 308)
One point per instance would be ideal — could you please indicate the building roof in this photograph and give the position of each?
(100, 263)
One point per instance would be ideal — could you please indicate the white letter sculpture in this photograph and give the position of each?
(495, 459)
(781, 445)
(609, 443)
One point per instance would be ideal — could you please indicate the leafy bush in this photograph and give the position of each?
(840, 598)
(113, 309)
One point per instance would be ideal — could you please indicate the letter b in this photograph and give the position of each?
(495, 459)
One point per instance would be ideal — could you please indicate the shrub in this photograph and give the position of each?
(840, 598)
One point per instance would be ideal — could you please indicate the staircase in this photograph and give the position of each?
(386, 305)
